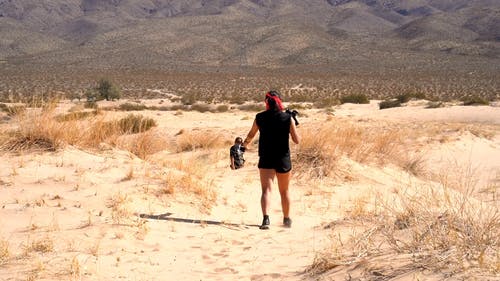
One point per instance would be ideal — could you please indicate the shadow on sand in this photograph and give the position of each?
(167, 217)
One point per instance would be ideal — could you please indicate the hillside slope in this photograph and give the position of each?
(271, 33)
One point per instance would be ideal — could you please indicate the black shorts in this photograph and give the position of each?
(280, 165)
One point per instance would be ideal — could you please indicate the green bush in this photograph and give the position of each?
(132, 124)
(355, 98)
(108, 90)
(475, 100)
(389, 104)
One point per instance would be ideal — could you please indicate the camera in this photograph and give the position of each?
(294, 114)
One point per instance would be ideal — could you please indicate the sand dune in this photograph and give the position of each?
(105, 214)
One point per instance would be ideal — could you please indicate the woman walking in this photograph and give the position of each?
(275, 128)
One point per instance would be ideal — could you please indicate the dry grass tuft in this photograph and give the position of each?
(438, 230)
(41, 130)
(144, 144)
(192, 140)
(38, 131)
(75, 269)
(190, 177)
(321, 148)
(4, 251)
(189, 184)
(120, 213)
(43, 245)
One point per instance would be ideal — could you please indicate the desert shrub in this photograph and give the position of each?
(132, 107)
(321, 147)
(254, 107)
(328, 102)
(355, 98)
(107, 90)
(222, 108)
(299, 106)
(419, 95)
(389, 104)
(200, 107)
(144, 144)
(189, 98)
(177, 107)
(91, 105)
(97, 131)
(14, 110)
(474, 100)
(39, 131)
(237, 99)
(132, 124)
(4, 107)
(77, 115)
(406, 97)
(434, 104)
(316, 156)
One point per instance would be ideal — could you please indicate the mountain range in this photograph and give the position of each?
(170, 34)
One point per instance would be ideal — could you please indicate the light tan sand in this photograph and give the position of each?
(64, 200)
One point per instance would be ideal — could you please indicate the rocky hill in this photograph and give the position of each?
(162, 34)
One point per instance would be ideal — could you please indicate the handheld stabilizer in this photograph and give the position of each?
(294, 114)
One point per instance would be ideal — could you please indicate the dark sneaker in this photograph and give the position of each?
(287, 222)
(265, 223)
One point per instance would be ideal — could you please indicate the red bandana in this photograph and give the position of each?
(276, 99)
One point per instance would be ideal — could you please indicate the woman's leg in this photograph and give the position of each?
(266, 180)
(283, 183)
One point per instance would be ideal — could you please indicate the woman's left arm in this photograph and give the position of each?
(293, 133)
(251, 134)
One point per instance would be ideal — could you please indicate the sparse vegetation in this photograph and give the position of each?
(434, 104)
(118, 203)
(107, 90)
(474, 100)
(389, 104)
(192, 140)
(77, 115)
(132, 124)
(132, 106)
(437, 230)
(355, 98)
(42, 245)
(321, 148)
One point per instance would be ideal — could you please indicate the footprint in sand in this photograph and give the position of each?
(265, 276)
(226, 269)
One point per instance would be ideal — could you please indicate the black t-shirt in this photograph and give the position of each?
(274, 128)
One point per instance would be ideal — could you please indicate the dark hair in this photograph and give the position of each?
(238, 140)
(273, 101)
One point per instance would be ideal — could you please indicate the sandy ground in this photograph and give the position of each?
(100, 215)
